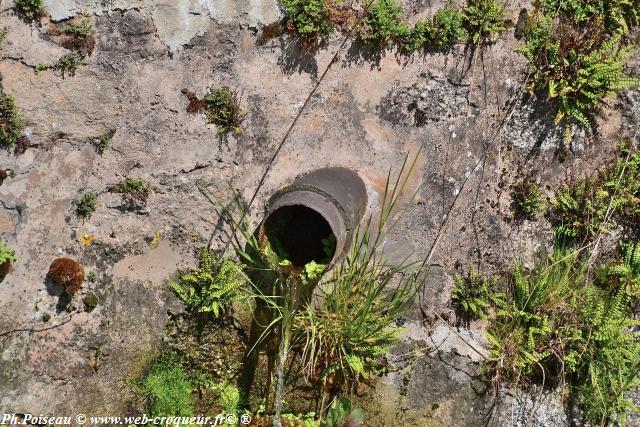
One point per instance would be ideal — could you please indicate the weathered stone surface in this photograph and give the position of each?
(367, 113)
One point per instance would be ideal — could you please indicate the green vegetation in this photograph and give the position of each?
(6, 253)
(67, 64)
(213, 286)
(92, 277)
(308, 18)
(558, 324)
(10, 122)
(577, 53)
(80, 29)
(582, 209)
(86, 205)
(90, 302)
(222, 108)
(615, 14)
(484, 20)
(135, 192)
(29, 9)
(527, 199)
(3, 35)
(342, 413)
(228, 398)
(103, 141)
(474, 295)
(167, 388)
(569, 320)
(447, 28)
(384, 24)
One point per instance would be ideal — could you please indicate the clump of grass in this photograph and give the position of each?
(11, 124)
(29, 9)
(222, 108)
(484, 20)
(527, 199)
(213, 286)
(3, 35)
(167, 389)
(67, 64)
(86, 205)
(135, 192)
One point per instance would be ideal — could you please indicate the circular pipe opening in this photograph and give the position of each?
(301, 235)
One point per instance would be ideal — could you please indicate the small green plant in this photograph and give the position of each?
(582, 209)
(625, 275)
(308, 18)
(343, 414)
(474, 294)
(92, 277)
(67, 64)
(90, 302)
(167, 388)
(384, 25)
(6, 253)
(102, 142)
(213, 286)
(10, 122)
(222, 108)
(229, 398)
(448, 27)
(616, 15)
(135, 192)
(527, 199)
(3, 35)
(575, 69)
(558, 324)
(484, 20)
(86, 205)
(29, 9)
(80, 29)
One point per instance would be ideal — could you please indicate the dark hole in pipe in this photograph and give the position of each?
(300, 234)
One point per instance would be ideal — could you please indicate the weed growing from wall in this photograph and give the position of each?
(135, 192)
(557, 325)
(474, 294)
(29, 9)
(167, 389)
(308, 18)
(102, 142)
(582, 209)
(527, 199)
(222, 108)
(67, 64)
(86, 205)
(484, 20)
(577, 53)
(10, 122)
(213, 286)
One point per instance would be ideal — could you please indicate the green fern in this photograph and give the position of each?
(575, 69)
(213, 285)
